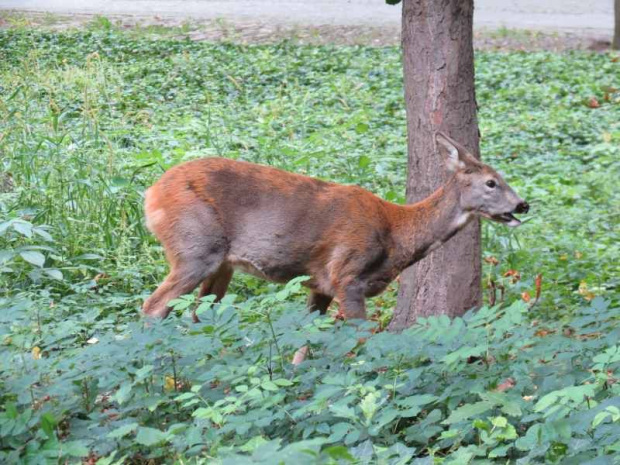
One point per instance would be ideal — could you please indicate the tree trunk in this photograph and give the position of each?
(438, 60)
(616, 43)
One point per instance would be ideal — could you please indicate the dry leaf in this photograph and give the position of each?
(568, 332)
(514, 274)
(585, 292)
(508, 383)
(538, 285)
(578, 255)
(169, 383)
(300, 355)
(99, 277)
(542, 332)
(491, 260)
(36, 353)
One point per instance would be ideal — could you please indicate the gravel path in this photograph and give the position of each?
(592, 17)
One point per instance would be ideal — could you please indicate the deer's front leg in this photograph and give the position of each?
(352, 301)
(316, 301)
(352, 304)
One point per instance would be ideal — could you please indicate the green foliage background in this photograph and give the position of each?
(89, 119)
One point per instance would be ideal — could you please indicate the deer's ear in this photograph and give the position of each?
(456, 156)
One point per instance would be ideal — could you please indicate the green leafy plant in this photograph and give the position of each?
(89, 119)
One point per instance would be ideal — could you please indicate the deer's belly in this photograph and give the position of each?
(376, 287)
(280, 273)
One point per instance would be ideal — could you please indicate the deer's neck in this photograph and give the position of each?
(426, 225)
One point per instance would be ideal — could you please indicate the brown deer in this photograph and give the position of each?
(215, 215)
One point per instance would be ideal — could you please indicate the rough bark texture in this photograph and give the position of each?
(438, 60)
(616, 43)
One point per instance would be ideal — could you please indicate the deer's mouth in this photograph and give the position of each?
(505, 218)
(508, 219)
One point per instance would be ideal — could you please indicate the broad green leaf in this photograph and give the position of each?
(369, 406)
(144, 372)
(338, 453)
(500, 451)
(123, 430)
(600, 418)
(361, 128)
(283, 382)
(343, 411)
(48, 423)
(182, 303)
(33, 257)
(44, 234)
(532, 438)
(23, 228)
(468, 410)
(464, 353)
(54, 273)
(339, 430)
(253, 443)
(416, 400)
(4, 226)
(6, 255)
(75, 449)
(89, 256)
(269, 385)
(123, 393)
(576, 394)
(363, 451)
(150, 436)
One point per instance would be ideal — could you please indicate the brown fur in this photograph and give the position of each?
(215, 215)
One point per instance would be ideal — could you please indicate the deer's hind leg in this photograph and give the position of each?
(216, 284)
(319, 302)
(196, 248)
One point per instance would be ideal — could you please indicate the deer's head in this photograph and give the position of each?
(482, 190)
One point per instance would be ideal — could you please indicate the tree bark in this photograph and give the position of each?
(438, 61)
(616, 42)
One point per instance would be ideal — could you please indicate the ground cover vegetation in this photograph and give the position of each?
(89, 119)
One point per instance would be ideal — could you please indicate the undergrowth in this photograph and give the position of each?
(89, 119)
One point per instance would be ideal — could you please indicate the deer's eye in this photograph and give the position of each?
(491, 183)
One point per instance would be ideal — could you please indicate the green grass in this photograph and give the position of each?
(88, 120)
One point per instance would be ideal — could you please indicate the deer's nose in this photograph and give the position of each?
(523, 207)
